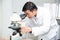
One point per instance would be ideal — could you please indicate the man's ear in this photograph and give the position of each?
(34, 10)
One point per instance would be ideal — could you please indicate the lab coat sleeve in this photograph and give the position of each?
(45, 27)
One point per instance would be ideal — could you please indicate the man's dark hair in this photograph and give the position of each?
(29, 6)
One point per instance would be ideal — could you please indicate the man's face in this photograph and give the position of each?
(31, 14)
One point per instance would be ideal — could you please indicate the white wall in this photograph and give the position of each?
(0, 19)
(41, 2)
(17, 5)
(7, 11)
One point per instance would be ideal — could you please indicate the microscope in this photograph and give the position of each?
(15, 25)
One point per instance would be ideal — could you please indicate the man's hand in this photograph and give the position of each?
(26, 29)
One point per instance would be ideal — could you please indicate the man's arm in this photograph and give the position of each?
(45, 27)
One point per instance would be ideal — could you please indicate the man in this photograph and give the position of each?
(39, 21)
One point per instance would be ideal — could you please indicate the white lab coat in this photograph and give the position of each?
(44, 24)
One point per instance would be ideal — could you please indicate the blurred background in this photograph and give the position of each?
(8, 7)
